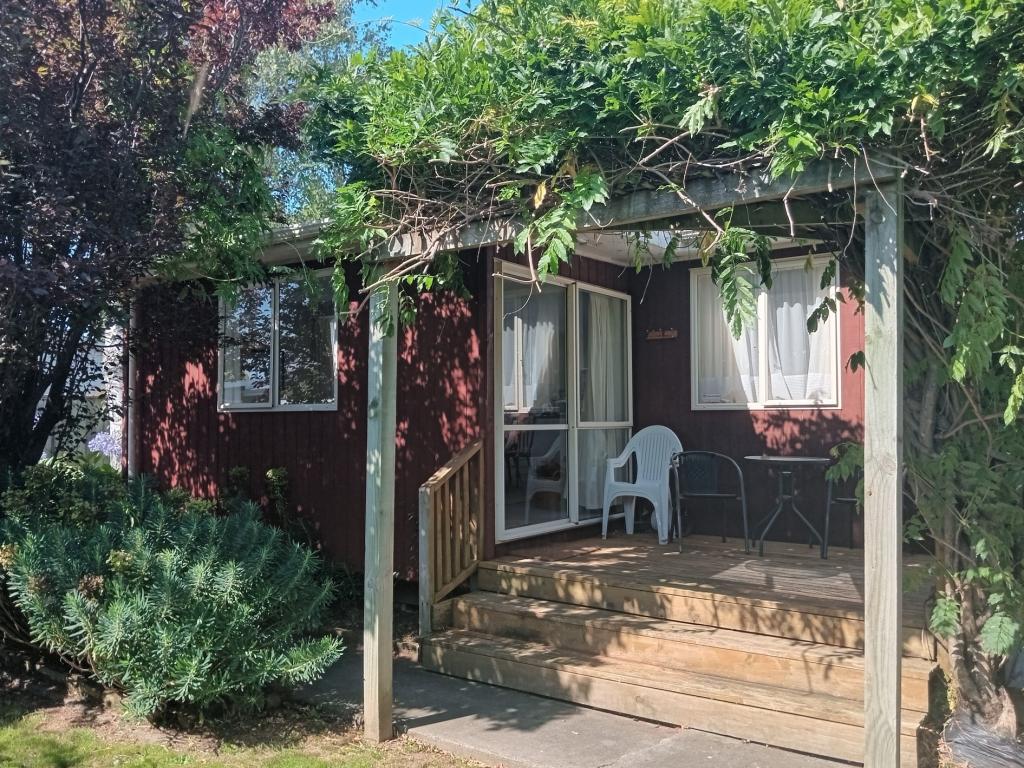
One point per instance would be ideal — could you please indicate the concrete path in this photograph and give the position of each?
(501, 727)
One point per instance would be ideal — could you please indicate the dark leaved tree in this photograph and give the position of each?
(129, 146)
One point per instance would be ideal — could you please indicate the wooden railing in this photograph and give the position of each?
(451, 529)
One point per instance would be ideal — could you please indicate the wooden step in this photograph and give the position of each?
(808, 722)
(742, 656)
(703, 603)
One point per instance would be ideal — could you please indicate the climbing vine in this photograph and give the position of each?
(538, 110)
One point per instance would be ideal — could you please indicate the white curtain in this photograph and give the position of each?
(604, 389)
(800, 363)
(508, 357)
(727, 367)
(533, 349)
(543, 353)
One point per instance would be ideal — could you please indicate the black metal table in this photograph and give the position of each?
(785, 467)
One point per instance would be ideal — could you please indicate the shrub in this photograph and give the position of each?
(75, 492)
(282, 513)
(170, 605)
(179, 500)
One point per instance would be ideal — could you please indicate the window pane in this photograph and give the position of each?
(307, 328)
(246, 345)
(539, 373)
(510, 357)
(727, 368)
(596, 446)
(602, 358)
(536, 477)
(801, 364)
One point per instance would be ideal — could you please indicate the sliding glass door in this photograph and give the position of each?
(604, 386)
(535, 405)
(564, 368)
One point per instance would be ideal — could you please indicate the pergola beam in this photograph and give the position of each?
(706, 194)
(796, 218)
(883, 475)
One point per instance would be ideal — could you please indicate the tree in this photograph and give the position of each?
(128, 148)
(539, 109)
(302, 178)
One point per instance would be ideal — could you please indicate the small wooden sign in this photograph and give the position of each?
(662, 334)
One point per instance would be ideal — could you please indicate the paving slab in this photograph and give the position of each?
(511, 729)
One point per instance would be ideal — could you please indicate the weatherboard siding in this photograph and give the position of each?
(184, 441)
(661, 392)
(444, 380)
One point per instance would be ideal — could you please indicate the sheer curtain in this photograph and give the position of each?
(543, 349)
(533, 350)
(800, 363)
(509, 353)
(727, 367)
(602, 321)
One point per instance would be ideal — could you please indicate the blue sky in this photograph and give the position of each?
(410, 18)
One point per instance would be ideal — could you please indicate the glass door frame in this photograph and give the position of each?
(506, 270)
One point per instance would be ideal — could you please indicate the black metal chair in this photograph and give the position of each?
(845, 496)
(517, 451)
(699, 475)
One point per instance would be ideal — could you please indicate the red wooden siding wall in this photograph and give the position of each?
(184, 441)
(661, 391)
(444, 402)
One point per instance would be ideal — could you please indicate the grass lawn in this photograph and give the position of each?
(46, 739)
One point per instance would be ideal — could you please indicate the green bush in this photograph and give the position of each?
(169, 604)
(76, 492)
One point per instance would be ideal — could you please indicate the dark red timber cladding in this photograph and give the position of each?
(600, 273)
(440, 397)
(185, 442)
(661, 394)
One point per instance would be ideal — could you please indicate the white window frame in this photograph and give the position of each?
(504, 270)
(274, 406)
(778, 265)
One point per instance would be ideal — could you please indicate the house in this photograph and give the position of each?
(658, 336)
(508, 402)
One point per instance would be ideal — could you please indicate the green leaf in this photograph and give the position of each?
(1015, 401)
(945, 617)
(699, 113)
(955, 272)
(445, 150)
(999, 634)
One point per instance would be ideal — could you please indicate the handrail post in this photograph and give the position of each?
(426, 561)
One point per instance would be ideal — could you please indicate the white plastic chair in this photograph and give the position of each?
(654, 448)
(537, 483)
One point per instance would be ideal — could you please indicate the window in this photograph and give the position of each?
(278, 347)
(776, 362)
(534, 375)
(564, 362)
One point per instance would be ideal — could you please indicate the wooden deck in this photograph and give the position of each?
(767, 649)
(788, 573)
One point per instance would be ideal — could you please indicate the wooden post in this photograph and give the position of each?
(883, 476)
(426, 562)
(378, 597)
